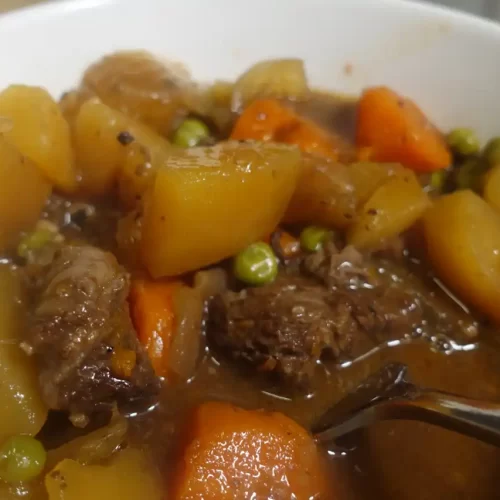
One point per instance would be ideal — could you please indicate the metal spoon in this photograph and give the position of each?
(388, 395)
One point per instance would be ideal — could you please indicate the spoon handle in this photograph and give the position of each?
(477, 419)
(473, 418)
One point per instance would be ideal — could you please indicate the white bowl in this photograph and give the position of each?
(447, 61)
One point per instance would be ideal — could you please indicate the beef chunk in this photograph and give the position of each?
(390, 306)
(80, 322)
(347, 269)
(396, 301)
(334, 303)
(288, 326)
(283, 327)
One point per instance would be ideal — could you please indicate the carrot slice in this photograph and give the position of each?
(311, 138)
(123, 362)
(290, 245)
(152, 308)
(233, 453)
(261, 120)
(397, 130)
(364, 154)
(269, 120)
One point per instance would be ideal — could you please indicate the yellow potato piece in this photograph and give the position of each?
(99, 152)
(128, 237)
(207, 204)
(23, 192)
(462, 233)
(325, 194)
(141, 162)
(71, 102)
(393, 208)
(492, 187)
(40, 132)
(129, 476)
(367, 177)
(26, 414)
(13, 492)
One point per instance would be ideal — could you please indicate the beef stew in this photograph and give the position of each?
(216, 266)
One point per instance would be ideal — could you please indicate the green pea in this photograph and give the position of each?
(464, 141)
(190, 133)
(313, 237)
(22, 458)
(34, 241)
(256, 265)
(492, 152)
(438, 179)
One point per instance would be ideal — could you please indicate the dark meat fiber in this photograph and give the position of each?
(282, 327)
(329, 309)
(81, 319)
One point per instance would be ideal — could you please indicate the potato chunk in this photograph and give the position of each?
(367, 177)
(39, 131)
(127, 476)
(462, 233)
(393, 208)
(330, 194)
(206, 204)
(26, 414)
(23, 191)
(492, 187)
(102, 138)
(140, 164)
(71, 102)
(325, 194)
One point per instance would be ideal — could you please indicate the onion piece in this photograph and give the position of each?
(185, 348)
(94, 447)
(136, 83)
(189, 307)
(210, 282)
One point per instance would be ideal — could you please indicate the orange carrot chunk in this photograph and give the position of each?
(396, 130)
(311, 138)
(152, 309)
(290, 245)
(261, 120)
(233, 453)
(269, 120)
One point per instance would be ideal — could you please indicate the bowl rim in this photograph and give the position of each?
(55, 8)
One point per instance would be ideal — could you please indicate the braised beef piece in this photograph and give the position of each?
(347, 269)
(282, 327)
(379, 306)
(396, 298)
(333, 303)
(288, 326)
(80, 329)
